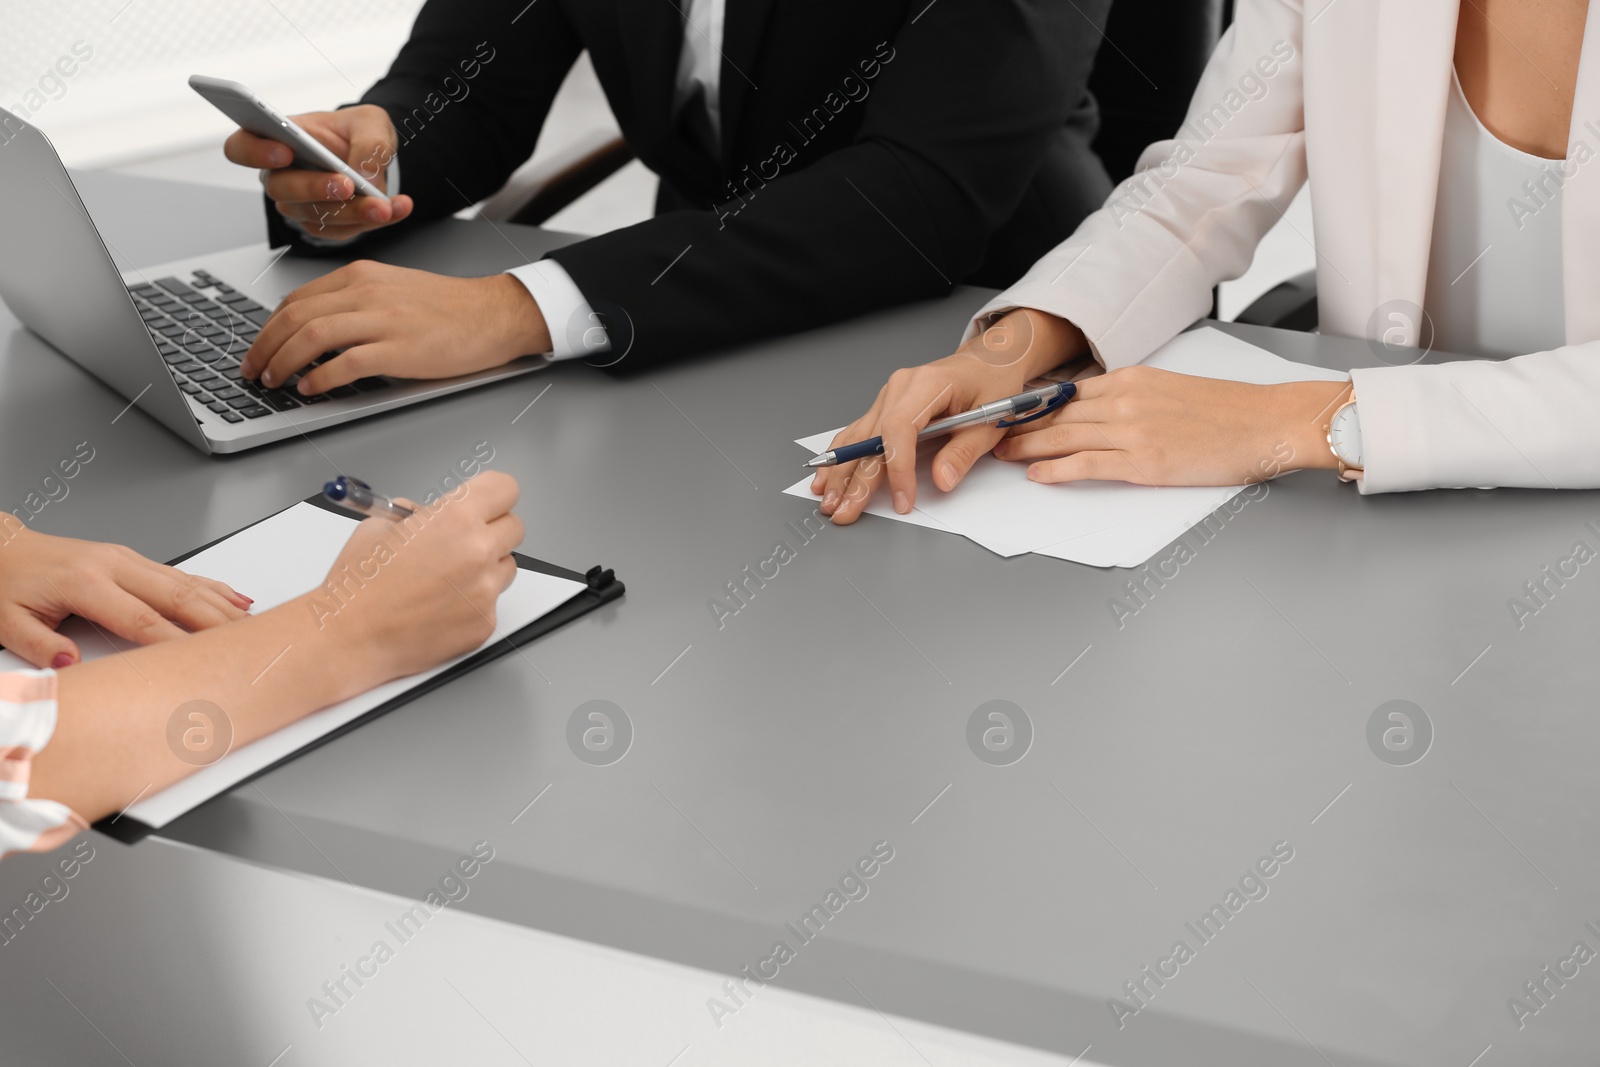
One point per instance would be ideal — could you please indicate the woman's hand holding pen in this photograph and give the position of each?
(400, 598)
(995, 364)
(407, 595)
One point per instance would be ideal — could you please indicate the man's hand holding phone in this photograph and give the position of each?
(323, 204)
(381, 319)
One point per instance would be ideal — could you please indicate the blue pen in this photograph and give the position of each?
(1046, 399)
(357, 495)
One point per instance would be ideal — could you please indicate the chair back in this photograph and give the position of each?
(1146, 72)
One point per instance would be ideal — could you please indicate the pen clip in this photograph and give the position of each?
(1056, 401)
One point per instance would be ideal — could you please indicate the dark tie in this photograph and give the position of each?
(694, 123)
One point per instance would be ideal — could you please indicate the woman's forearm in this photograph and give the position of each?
(1040, 341)
(111, 737)
(1304, 409)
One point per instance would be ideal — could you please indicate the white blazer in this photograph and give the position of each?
(1353, 91)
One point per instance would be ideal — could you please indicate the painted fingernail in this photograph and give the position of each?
(902, 503)
(248, 600)
(63, 659)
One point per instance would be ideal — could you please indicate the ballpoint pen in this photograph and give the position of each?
(357, 495)
(1046, 399)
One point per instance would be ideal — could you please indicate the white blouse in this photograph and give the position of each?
(1494, 269)
(27, 721)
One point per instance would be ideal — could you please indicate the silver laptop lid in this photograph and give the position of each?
(58, 278)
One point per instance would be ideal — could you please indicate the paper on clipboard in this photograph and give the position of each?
(275, 561)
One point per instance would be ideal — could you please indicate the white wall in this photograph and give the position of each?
(1286, 250)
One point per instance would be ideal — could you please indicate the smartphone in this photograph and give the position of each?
(262, 119)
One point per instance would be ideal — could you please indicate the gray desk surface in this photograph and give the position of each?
(1169, 755)
(170, 956)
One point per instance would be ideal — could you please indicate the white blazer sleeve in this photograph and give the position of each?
(1142, 268)
(1531, 421)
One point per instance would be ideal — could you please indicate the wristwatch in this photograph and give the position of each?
(1344, 438)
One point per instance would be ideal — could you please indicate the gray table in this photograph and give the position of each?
(171, 956)
(832, 711)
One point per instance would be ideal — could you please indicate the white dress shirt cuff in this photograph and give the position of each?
(575, 330)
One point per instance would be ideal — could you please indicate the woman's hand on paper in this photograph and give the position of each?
(993, 365)
(1154, 427)
(401, 597)
(406, 596)
(45, 579)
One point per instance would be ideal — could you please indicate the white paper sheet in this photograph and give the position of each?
(274, 562)
(1103, 524)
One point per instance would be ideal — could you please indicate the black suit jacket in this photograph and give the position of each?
(872, 152)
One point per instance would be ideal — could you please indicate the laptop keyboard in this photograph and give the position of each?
(203, 328)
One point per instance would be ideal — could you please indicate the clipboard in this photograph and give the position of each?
(601, 586)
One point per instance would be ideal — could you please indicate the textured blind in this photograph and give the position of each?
(128, 59)
(128, 38)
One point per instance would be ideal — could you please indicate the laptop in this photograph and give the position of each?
(169, 338)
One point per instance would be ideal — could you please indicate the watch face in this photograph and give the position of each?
(1344, 435)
